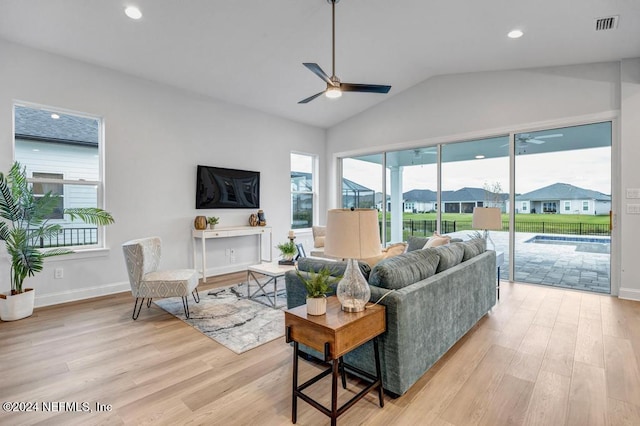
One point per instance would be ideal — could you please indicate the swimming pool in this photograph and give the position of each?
(587, 244)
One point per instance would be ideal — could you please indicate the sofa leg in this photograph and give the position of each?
(185, 305)
(137, 308)
(149, 302)
(196, 295)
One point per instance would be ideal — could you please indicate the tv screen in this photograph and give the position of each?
(219, 188)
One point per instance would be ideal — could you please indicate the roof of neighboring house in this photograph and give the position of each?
(347, 185)
(37, 124)
(463, 194)
(563, 191)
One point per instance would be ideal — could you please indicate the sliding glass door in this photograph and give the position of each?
(563, 187)
(559, 193)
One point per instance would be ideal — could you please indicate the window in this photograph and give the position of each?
(302, 190)
(567, 206)
(42, 186)
(585, 206)
(524, 206)
(61, 153)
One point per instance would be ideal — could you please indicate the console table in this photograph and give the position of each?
(229, 232)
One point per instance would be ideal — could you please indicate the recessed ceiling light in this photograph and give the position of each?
(55, 116)
(35, 150)
(515, 34)
(133, 12)
(479, 157)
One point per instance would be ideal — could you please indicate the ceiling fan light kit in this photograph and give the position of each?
(334, 86)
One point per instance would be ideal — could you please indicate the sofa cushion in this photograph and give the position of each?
(336, 267)
(472, 248)
(416, 243)
(403, 270)
(450, 255)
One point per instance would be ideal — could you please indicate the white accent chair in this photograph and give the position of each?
(143, 257)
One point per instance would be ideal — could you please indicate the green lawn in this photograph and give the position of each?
(425, 223)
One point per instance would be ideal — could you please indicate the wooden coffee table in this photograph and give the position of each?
(271, 270)
(334, 334)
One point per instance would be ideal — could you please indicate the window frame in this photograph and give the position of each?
(89, 250)
(313, 192)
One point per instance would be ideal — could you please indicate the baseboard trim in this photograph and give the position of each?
(80, 294)
(629, 294)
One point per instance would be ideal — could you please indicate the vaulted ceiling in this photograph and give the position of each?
(250, 52)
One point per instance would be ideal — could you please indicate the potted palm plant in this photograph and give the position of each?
(24, 223)
(318, 284)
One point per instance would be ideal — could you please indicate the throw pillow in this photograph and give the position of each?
(472, 248)
(318, 231)
(450, 255)
(387, 252)
(416, 243)
(437, 241)
(405, 269)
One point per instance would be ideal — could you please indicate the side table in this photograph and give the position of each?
(334, 334)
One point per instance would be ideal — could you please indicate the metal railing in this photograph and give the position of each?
(71, 237)
(427, 227)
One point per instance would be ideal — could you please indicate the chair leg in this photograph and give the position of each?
(196, 295)
(149, 302)
(185, 305)
(136, 307)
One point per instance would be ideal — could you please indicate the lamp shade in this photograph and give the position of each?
(486, 218)
(352, 234)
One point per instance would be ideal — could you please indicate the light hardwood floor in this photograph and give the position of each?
(542, 356)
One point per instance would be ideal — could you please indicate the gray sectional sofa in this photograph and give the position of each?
(438, 295)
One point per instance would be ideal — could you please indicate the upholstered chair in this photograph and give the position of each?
(143, 257)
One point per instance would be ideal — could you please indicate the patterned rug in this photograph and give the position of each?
(228, 317)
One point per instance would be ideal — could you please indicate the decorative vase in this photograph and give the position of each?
(17, 306)
(253, 219)
(200, 223)
(316, 305)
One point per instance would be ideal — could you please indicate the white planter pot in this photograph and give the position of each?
(316, 305)
(18, 306)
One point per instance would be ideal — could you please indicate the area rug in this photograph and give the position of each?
(228, 317)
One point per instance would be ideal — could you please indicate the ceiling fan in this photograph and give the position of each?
(523, 139)
(334, 86)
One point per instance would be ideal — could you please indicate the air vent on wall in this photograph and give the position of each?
(608, 23)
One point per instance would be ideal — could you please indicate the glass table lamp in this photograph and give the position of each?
(487, 218)
(352, 234)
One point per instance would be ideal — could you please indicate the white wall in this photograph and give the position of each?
(154, 138)
(468, 106)
(629, 159)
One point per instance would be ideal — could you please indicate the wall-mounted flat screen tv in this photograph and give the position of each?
(219, 188)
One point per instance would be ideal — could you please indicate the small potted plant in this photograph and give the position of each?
(318, 284)
(213, 221)
(287, 250)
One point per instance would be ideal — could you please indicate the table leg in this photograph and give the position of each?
(378, 372)
(334, 392)
(204, 259)
(498, 283)
(294, 400)
(343, 374)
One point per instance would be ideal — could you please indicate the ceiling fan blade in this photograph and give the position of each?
(369, 88)
(555, 135)
(315, 68)
(310, 98)
(535, 141)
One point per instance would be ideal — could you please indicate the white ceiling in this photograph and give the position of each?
(250, 52)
